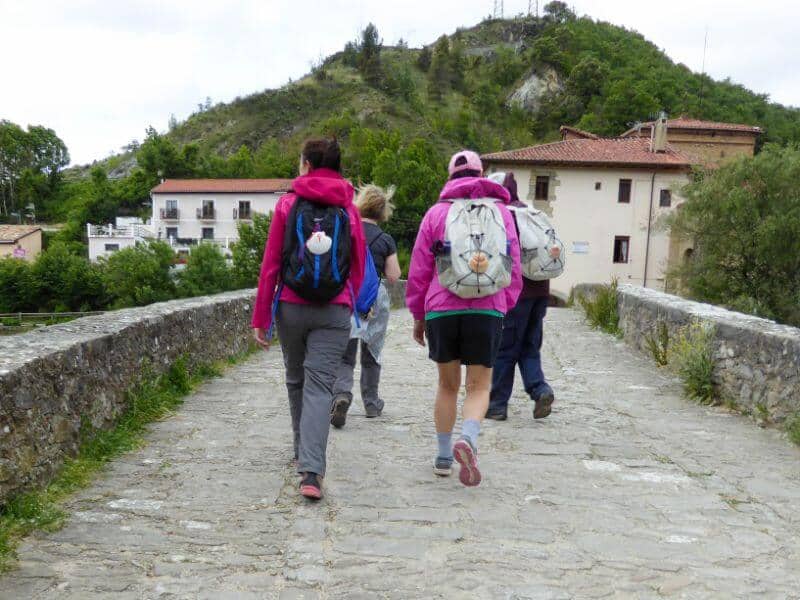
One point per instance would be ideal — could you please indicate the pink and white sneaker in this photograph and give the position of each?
(467, 457)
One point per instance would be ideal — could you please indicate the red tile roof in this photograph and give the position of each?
(566, 129)
(632, 152)
(683, 123)
(10, 234)
(222, 186)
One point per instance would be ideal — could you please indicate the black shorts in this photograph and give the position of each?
(474, 339)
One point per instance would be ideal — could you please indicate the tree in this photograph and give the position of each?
(38, 151)
(558, 12)
(458, 64)
(369, 59)
(241, 163)
(744, 219)
(587, 78)
(424, 59)
(17, 289)
(249, 250)
(66, 281)
(206, 272)
(439, 72)
(139, 275)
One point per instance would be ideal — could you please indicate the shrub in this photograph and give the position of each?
(692, 355)
(657, 342)
(249, 250)
(139, 275)
(793, 429)
(206, 272)
(65, 281)
(601, 310)
(17, 288)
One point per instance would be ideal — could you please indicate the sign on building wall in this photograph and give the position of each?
(19, 252)
(580, 247)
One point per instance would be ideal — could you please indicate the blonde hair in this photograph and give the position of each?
(375, 202)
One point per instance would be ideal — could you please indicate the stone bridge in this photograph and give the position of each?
(626, 491)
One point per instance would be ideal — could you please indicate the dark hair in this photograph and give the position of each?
(465, 173)
(511, 185)
(323, 153)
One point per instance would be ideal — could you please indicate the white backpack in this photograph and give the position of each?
(536, 238)
(474, 260)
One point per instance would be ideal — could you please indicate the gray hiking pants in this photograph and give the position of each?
(370, 375)
(313, 339)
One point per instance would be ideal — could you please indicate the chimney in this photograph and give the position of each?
(658, 134)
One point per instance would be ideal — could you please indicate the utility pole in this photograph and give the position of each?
(703, 69)
(497, 13)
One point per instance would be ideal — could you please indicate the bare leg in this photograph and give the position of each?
(479, 385)
(444, 413)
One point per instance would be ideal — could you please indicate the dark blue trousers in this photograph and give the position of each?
(522, 344)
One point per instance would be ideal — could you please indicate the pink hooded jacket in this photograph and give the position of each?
(424, 293)
(326, 187)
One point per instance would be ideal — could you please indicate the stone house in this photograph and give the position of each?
(607, 199)
(20, 241)
(706, 143)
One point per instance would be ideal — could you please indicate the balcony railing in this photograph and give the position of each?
(169, 214)
(206, 214)
(244, 215)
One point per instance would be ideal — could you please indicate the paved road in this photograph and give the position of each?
(626, 491)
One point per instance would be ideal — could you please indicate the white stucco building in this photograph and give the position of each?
(607, 199)
(186, 211)
(104, 240)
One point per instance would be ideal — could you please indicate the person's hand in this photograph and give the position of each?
(260, 336)
(419, 332)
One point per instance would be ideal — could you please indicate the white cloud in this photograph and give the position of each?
(100, 72)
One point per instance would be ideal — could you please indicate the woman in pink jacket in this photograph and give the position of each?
(313, 333)
(460, 331)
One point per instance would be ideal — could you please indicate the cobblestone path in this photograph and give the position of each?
(626, 491)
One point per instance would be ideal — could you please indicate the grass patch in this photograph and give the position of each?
(152, 399)
(793, 429)
(658, 344)
(601, 309)
(692, 355)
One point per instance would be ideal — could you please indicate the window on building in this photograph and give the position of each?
(208, 233)
(665, 199)
(172, 233)
(244, 209)
(622, 245)
(542, 191)
(624, 191)
(208, 209)
(171, 210)
(598, 185)
(112, 247)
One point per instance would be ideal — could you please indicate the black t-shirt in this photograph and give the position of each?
(381, 245)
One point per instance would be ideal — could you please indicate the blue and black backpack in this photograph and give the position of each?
(316, 250)
(368, 293)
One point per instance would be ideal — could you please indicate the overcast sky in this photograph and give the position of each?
(99, 72)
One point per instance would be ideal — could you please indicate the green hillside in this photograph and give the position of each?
(608, 77)
(400, 111)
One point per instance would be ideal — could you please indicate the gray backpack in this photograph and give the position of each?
(536, 239)
(474, 261)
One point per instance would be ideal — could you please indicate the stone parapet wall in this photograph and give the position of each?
(57, 379)
(757, 362)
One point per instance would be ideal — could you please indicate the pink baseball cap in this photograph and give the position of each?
(470, 161)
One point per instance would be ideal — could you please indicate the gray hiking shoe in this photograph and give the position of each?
(443, 467)
(339, 408)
